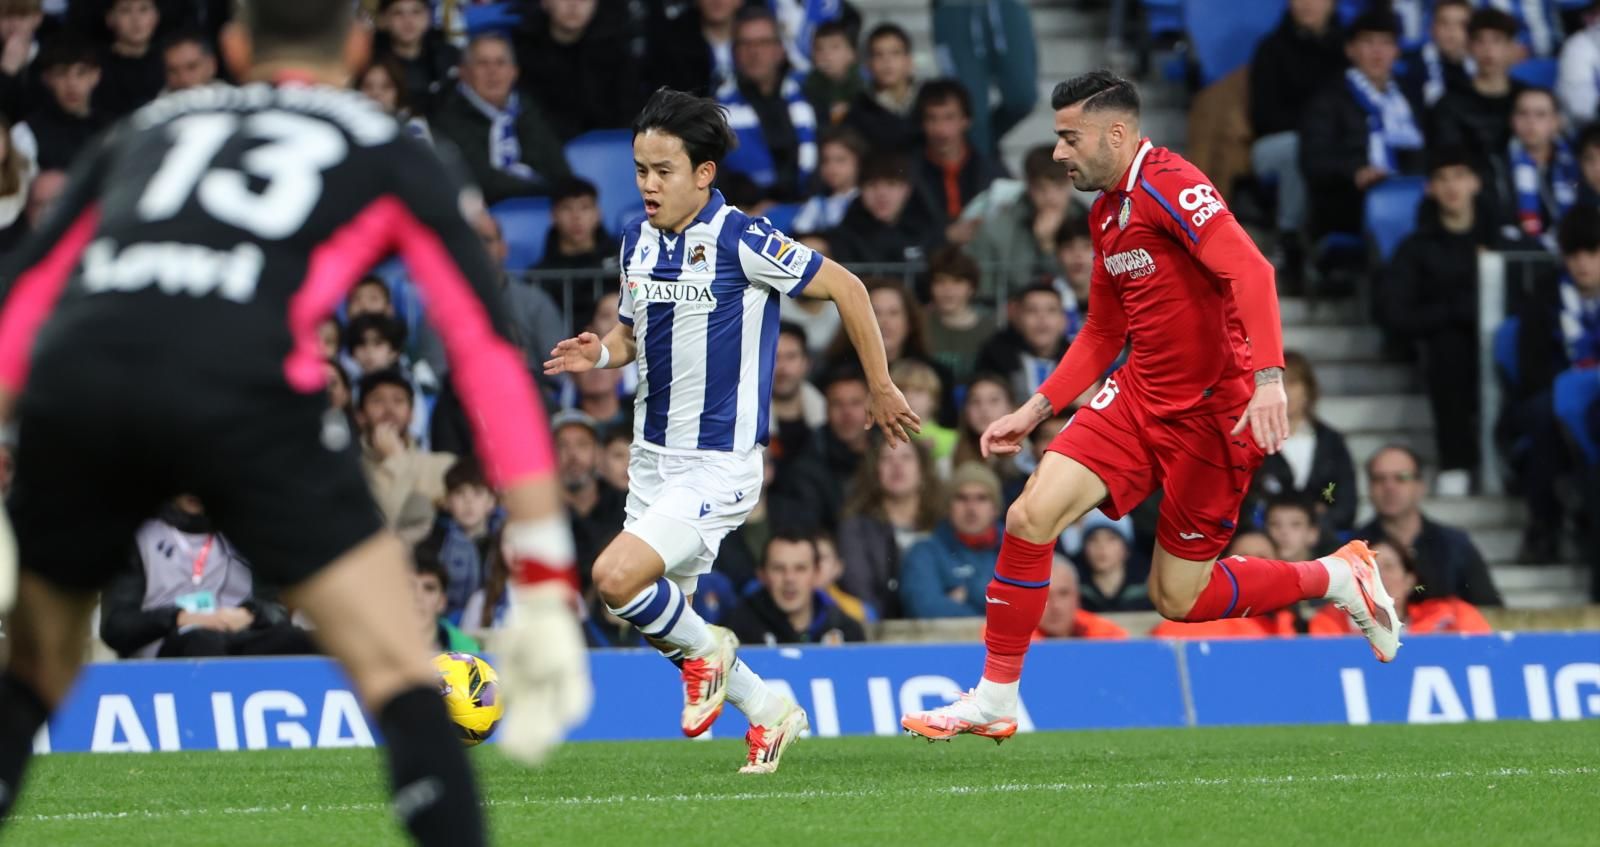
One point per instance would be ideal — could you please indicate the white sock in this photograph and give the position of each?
(662, 613)
(997, 699)
(1341, 581)
(749, 693)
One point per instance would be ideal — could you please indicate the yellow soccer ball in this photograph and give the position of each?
(471, 693)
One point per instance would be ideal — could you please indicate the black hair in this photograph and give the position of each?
(747, 14)
(296, 26)
(1440, 4)
(1492, 20)
(835, 28)
(699, 122)
(1040, 163)
(1452, 156)
(387, 376)
(371, 280)
(951, 261)
(1073, 227)
(1410, 453)
(188, 36)
(1291, 500)
(884, 166)
(887, 30)
(1040, 287)
(798, 332)
(425, 561)
(390, 329)
(491, 35)
(621, 431)
(845, 137)
(572, 187)
(466, 471)
(936, 92)
(790, 535)
(1098, 91)
(65, 49)
(846, 372)
(1589, 137)
(1376, 22)
(1579, 231)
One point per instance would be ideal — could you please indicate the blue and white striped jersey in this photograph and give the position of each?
(703, 305)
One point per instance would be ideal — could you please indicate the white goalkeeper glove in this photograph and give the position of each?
(544, 662)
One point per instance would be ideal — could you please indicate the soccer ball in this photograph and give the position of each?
(471, 693)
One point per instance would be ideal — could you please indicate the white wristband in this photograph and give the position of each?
(605, 356)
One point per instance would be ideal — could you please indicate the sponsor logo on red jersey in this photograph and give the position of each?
(1202, 201)
(1136, 263)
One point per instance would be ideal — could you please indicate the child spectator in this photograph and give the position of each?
(921, 385)
(775, 126)
(1064, 615)
(62, 125)
(188, 61)
(428, 60)
(789, 608)
(1033, 342)
(1398, 570)
(1017, 243)
(1313, 464)
(431, 583)
(944, 576)
(369, 296)
(957, 329)
(890, 221)
(1443, 62)
(896, 502)
(464, 534)
(1291, 523)
(374, 341)
(840, 171)
(132, 74)
(580, 68)
(950, 168)
(1075, 258)
(384, 81)
(1478, 117)
(884, 112)
(1108, 580)
(577, 237)
(829, 569)
(835, 78)
(1544, 172)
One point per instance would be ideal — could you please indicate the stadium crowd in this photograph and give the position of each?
(870, 164)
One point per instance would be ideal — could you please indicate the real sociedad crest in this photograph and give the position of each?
(1125, 213)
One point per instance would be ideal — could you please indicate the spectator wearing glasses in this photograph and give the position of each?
(768, 112)
(1448, 563)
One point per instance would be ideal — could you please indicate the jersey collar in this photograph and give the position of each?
(1132, 177)
(711, 208)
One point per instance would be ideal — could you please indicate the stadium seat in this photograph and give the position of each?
(1163, 17)
(1538, 73)
(1506, 360)
(605, 158)
(782, 215)
(1575, 390)
(494, 17)
(524, 224)
(1392, 212)
(1224, 35)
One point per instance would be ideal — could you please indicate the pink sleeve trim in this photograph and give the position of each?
(34, 297)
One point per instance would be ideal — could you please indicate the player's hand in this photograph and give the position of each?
(1004, 436)
(545, 671)
(888, 410)
(574, 355)
(1267, 416)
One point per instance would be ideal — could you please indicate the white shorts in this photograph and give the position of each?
(683, 506)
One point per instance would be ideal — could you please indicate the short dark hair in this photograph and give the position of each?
(888, 30)
(1040, 163)
(1291, 500)
(885, 166)
(845, 137)
(795, 331)
(1539, 90)
(425, 562)
(1492, 20)
(188, 36)
(1406, 449)
(390, 329)
(1098, 91)
(1590, 136)
(1440, 4)
(572, 187)
(65, 49)
(952, 261)
(835, 28)
(937, 92)
(1451, 156)
(371, 281)
(297, 26)
(1073, 227)
(378, 379)
(487, 36)
(1035, 288)
(789, 535)
(747, 14)
(1376, 22)
(621, 431)
(466, 471)
(1579, 231)
(846, 372)
(699, 122)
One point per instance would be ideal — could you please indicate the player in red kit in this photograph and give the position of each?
(1198, 405)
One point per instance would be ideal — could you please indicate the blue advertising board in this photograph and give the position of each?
(233, 704)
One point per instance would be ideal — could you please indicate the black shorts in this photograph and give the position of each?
(102, 444)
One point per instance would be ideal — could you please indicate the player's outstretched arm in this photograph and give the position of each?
(887, 406)
(586, 350)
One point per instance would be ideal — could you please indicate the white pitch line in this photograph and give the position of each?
(829, 794)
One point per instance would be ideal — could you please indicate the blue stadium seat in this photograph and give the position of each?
(1506, 359)
(1224, 34)
(1539, 73)
(782, 215)
(1392, 212)
(605, 158)
(524, 224)
(495, 17)
(1163, 17)
(1575, 390)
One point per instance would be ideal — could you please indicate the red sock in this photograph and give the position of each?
(1241, 586)
(1017, 595)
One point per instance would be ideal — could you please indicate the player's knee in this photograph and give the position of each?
(1173, 601)
(615, 579)
(1024, 521)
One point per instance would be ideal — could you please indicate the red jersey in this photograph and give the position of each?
(1175, 273)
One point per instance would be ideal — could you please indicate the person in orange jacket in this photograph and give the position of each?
(1398, 569)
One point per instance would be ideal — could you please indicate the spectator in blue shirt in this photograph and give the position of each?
(768, 112)
(944, 576)
(790, 607)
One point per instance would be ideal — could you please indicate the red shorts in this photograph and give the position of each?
(1204, 469)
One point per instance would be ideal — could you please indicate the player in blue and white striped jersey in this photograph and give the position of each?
(699, 312)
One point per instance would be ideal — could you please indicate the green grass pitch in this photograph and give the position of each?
(1490, 784)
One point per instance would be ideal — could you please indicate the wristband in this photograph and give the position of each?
(605, 356)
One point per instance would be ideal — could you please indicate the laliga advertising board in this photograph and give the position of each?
(234, 704)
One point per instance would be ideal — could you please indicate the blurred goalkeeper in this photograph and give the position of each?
(164, 322)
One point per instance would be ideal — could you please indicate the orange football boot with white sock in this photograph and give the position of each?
(963, 717)
(1365, 599)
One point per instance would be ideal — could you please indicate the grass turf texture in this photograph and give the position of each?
(1502, 783)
